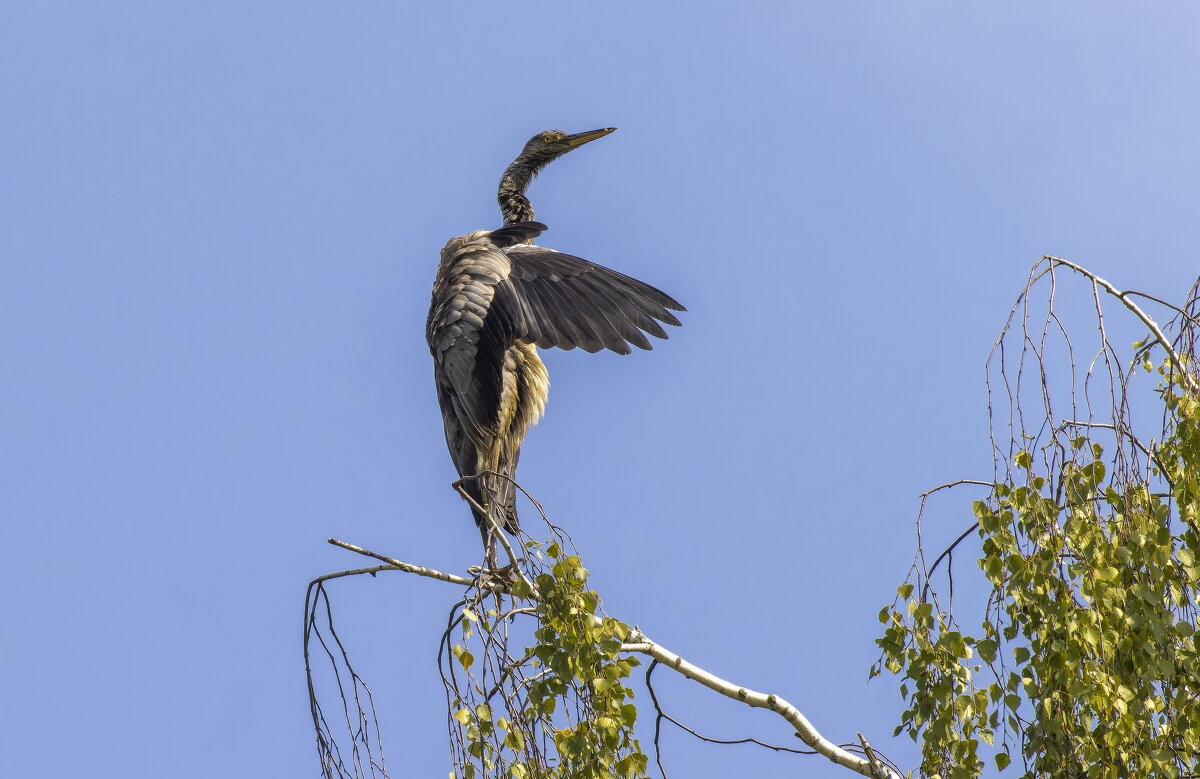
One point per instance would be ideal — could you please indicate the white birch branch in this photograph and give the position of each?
(637, 641)
(394, 564)
(1123, 296)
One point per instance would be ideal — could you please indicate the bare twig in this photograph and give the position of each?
(946, 553)
(419, 570)
(948, 485)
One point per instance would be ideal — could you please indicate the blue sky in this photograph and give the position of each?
(219, 224)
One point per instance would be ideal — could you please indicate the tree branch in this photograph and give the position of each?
(662, 715)
(637, 641)
(419, 570)
(1123, 296)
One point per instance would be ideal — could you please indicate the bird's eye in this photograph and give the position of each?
(552, 137)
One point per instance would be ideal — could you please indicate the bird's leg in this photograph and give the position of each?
(489, 534)
(490, 563)
(485, 531)
(489, 548)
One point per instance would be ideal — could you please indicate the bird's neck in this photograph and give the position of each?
(513, 204)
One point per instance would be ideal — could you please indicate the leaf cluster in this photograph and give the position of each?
(568, 709)
(1087, 661)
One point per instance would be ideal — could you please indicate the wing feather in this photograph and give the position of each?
(603, 306)
(624, 316)
(562, 309)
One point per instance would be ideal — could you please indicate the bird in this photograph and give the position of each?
(498, 298)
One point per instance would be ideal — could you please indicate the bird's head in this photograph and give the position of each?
(545, 147)
(540, 151)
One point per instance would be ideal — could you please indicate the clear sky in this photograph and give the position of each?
(219, 224)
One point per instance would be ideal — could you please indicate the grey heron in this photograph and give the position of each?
(497, 298)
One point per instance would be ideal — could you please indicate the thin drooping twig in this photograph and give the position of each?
(657, 720)
(662, 715)
(358, 724)
(928, 571)
(946, 553)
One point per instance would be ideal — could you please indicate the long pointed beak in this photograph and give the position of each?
(579, 139)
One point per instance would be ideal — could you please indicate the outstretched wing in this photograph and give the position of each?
(493, 290)
(556, 299)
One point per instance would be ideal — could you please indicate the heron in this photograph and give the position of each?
(497, 298)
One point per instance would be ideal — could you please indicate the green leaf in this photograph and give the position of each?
(464, 657)
(953, 642)
(1145, 593)
(602, 685)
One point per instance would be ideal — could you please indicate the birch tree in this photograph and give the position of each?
(1080, 658)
